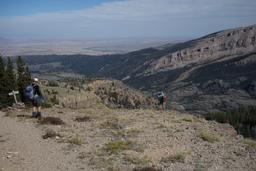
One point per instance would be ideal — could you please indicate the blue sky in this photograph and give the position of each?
(105, 19)
(29, 7)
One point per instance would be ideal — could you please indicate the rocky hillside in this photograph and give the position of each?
(96, 93)
(104, 139)
(115, 94)
(217, 46)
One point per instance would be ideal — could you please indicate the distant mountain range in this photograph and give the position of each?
(212, 73)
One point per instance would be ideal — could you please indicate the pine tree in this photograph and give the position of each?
(2, 69)
(3, 94)
(10, 80)
(24, 77)
(10, 75)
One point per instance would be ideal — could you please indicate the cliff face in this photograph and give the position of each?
(219, 45)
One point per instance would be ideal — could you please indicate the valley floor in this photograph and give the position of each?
(106, 139)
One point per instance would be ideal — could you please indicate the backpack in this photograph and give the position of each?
(29, 92)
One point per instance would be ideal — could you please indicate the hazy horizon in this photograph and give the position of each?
(113, 19)
(113, 26)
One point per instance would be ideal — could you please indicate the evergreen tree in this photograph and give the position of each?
(3, 94)
(24, 77)
(2, 70)
(10, 75)
(10, 80)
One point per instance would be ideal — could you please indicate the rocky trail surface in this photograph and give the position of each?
(22, 148)
(120, 140)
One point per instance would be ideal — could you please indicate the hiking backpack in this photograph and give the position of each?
(29, 92)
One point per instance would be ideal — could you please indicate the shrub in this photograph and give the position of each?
(76, 140)
(207, 136)
(115, 147)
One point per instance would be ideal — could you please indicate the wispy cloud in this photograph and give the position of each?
(133, 18)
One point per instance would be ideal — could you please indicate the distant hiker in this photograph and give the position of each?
(34, 94)
(162, 98)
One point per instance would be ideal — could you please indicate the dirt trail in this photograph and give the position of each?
(22, 148)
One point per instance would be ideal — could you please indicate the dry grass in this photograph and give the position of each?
(77, 140)
(208, 136)
(250, 142)
(136, 160)
(113, 123)
(188, 119)
(118, 146)
(180, 157)
(132, 132)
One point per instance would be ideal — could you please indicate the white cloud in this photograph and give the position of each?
(134, 18)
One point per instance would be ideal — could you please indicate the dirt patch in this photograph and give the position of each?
(24, 116)
(83, 119)
(147, 169)
(51, 121)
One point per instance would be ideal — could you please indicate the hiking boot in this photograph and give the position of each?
(38, 115)
(34, 114)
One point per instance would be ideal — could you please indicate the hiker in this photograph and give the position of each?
(37, 99)
(162, 98)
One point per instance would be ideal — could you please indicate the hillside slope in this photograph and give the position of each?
(106, 139)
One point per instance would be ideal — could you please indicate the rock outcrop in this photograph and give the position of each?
(219, 45)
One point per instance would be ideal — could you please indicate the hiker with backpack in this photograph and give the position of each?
(162, 99)
(33, 93)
